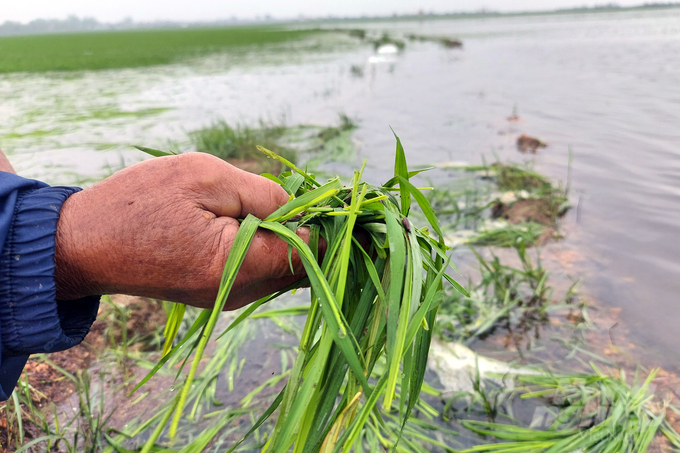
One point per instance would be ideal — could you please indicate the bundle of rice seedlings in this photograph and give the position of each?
(367, 303)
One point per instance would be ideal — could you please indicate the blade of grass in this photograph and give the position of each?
(401, 171)
(244, 236)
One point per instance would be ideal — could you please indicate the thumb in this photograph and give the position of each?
(235, 193)
(270, 257)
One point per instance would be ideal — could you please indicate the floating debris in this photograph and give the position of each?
(387, 49)
(449, 43)
(515, 114)
(528, 144)
(457, 366)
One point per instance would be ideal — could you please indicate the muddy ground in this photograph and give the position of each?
(49, 375)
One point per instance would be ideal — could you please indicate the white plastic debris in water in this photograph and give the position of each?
(456, 366)
(460, 237)
(452, 164)
(387, 49)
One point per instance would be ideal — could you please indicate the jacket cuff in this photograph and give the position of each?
(32, 320)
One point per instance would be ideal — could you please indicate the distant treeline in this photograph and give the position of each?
(75, 24)
(614, 5)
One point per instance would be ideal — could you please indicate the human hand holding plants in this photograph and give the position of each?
(163, 228)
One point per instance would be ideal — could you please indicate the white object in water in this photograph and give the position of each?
(388, 49)
(452, 164)
(456, 366)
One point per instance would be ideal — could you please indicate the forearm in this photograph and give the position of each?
(4, 164)
(31, 318)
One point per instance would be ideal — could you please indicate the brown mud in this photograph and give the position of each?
(537, 210)
(527, 144)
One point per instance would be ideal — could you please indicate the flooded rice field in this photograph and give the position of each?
(602, 90)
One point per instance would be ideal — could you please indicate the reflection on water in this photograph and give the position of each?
(605, 84)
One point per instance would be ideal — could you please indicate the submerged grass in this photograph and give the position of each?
(534, 410)
(516, 299)
(238, 144)
(503, 206)
(111, 113)
(386, 39)
(129, 49)
(449, 43)
(508, 234)
(362, 310)
(590, 413)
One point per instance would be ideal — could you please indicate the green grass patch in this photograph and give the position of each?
(502, 206)
(111, 113)
(238, 144)
(512, 177)
(513, 298)
(129, 49)
(508, 234)
(33, 134)
(387, 39)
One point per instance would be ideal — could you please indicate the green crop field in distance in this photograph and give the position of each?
(128, 49)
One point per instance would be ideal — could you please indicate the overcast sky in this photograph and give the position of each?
(208, 10)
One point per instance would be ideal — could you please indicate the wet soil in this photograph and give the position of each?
(47, 374)
(538, 210)
(529, 210)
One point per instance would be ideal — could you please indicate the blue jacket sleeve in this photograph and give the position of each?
(31, 319)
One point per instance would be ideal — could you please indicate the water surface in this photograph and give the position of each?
(606, 85)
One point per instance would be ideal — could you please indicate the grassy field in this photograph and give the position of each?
(127, 49)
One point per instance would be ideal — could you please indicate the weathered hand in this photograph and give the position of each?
(163, 229)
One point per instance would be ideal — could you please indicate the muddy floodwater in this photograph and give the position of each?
(605, 85)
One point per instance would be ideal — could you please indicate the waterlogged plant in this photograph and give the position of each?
(368, 303)
(590, 413)
(514, 298)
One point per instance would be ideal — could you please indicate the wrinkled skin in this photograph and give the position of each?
(163, 229)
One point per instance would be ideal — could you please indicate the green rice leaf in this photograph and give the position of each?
(337, 325)
(172, 325)
(242, 241)
(200, 322)
(397, 260)
(288, 164)
(155, 152)
(299, 204)
(393, 181)
(424, 204)
(260, 421)
(401, 171)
